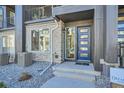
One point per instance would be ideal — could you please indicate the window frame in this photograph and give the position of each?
(74, 28)
(5, 44)
(8, 41)
(11, 17)
(1, 8)
(41, 51)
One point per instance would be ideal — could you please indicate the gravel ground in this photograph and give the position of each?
(102, 82)
(10, 74)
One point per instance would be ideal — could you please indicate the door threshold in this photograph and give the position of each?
(80, 63)
(83, 62)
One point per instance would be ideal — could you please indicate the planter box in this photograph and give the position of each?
(122, 62)
(117, 85)
(24, 59)
(4, 59)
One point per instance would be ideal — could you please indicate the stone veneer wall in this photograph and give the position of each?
(63, 42)
(57, 43)
(45, 56)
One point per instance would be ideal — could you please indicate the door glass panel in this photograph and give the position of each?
(83, 48)
(121, 26)
(83, 30)
(121, 32)
(84, 42)
(120, 39)
(83, 55)
(70, 49)
(84, 36)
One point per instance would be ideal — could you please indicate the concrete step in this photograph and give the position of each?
(62, 82)
(84, 77)
(79, 71)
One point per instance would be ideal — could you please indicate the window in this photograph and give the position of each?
(35, 40)
(8, 41)
(37, 13)
(121, 30)
(70, 48)
(11, 18)
(4, 41)
(40, 40)
(121, 26)
(1, 17)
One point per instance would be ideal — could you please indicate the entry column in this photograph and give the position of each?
(98, 36)
(111, 33)
(20, 31)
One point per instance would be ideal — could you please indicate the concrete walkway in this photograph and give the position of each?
(73, 65)
(71, 75)
(61, 82)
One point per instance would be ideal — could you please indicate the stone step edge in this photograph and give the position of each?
(96, 73)
(82, 74)
(73, 76)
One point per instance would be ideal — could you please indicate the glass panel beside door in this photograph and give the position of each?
(70, 43)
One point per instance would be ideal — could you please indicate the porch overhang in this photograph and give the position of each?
(76, 16)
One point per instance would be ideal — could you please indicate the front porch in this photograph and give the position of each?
(71, 75)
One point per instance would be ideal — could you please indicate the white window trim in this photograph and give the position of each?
(74, 28)
(2, 17)
(41, 51)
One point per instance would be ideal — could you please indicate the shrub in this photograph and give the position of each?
(2, 85)
(25, 76)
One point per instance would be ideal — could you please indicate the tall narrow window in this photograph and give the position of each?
(121, 25)
(35, 40)
(1, 17)
(11, 18)
(44, 40)
(40, 40)
(5, 44)
(70, 48)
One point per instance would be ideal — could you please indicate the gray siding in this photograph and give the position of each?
(20, 30)
(65, 9)
(111, 33)
(98, 36)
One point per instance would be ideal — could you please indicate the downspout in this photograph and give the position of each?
(51, 47)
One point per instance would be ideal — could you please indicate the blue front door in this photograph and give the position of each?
(83, 43)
